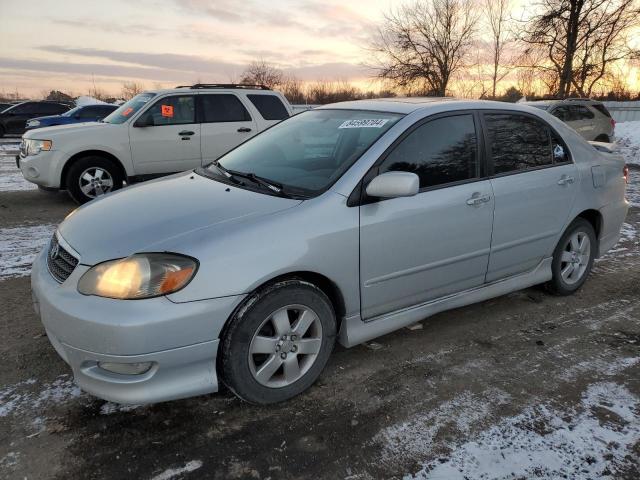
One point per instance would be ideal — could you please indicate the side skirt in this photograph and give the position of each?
(355, 331)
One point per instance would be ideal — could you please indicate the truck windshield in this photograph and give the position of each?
(310, 151)
(127, 109)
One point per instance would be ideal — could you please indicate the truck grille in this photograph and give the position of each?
(59, 261)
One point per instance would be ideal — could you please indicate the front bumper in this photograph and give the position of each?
(44, 169)
(180, 339)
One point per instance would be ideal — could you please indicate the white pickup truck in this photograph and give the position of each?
(155, 133)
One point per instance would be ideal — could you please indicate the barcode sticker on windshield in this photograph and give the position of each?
(364, 123)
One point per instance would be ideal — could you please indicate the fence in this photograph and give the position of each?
(624, 111)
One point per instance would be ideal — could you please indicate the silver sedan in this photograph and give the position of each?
(341, 223)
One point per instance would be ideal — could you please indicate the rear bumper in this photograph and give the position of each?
(613, 217)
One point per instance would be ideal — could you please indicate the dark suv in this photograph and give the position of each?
(14, 119)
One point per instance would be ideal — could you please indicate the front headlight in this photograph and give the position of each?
(33, 123)
(143, 275)
(34, 147)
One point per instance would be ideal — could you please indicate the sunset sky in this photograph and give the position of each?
(67, 44)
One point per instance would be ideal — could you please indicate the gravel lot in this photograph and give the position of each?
(523, 386)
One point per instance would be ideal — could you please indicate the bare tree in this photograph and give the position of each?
(259, 72)
(292, 89)
(581, 39)
(424, 44)
(498, 13)
(131, 89)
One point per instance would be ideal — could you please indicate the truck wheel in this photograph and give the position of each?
(91, 177)
(573, 258)
(278, 342)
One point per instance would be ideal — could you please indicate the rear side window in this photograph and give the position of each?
(602, 109)
(52, 108)
(581, 113)
(518, 142)
(222, 108)
(269, 106)
(441, 151)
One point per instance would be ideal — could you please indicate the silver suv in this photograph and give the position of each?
(345, 222)
(590, 118)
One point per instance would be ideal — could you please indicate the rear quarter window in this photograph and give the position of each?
(602, 109)
(269, 106)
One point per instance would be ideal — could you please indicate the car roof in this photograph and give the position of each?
(221, 88)
(406, 105)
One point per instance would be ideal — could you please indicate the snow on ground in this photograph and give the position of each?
(633, 188)
(175, 472)
(628, 140)
(19, 247)
(10, 148)
(29, 397)
(550, 442)
(11, 178)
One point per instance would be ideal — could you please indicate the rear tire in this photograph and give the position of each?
(573, 258)
(91, 177)
(277, 344)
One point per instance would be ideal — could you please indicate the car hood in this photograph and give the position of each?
(71, 129)
(145, 217)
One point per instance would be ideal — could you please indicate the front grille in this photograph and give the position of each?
(59, 261)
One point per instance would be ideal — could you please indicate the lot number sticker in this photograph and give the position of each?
(364, 123)
(167, 110)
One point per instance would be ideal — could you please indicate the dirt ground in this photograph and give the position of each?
(533, 386)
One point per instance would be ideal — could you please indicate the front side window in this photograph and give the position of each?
(128, 109)
(518, 142)
(563, 113)
(309, 151)
(441, 151)
(176, 110)
(223, 108)
(269, 106)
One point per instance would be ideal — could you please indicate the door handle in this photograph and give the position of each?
(244, 130)
(566, 180)
(478, 199)
(186, 133)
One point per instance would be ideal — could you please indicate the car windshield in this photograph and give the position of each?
(127, 109)
(71, 112)
(309, 151)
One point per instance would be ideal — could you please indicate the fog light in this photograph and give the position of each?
(33, 172)
(126, 368)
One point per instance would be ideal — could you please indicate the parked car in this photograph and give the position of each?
(87, 113)
(345, 222)
(155, 133)
(4, 106)
(14, 119)
(590, 118)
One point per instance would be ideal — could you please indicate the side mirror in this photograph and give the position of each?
(393, 185)
(145, 121)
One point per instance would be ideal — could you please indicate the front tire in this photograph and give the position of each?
(573, 258)
(91, 177)
(277, 344)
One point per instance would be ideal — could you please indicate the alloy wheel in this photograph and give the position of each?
(575, 257)
(95, 181)
(285, 346)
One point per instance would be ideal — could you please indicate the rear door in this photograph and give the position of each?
(534, 182)
(172, 142)
(420, 248)
(225, 123)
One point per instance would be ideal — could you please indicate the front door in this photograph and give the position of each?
(172, 142)
(535, 183)
(416, 249)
